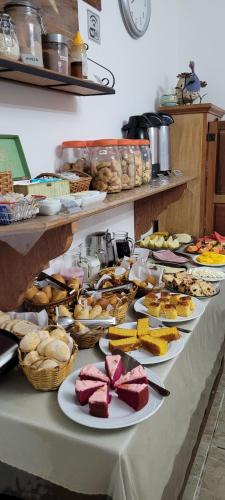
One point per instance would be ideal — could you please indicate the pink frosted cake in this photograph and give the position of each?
(135, 395)
(136, 376)
(113, 368)
(90, 372)
(99, 402)
(85, 388)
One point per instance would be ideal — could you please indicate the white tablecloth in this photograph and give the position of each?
(147, 461)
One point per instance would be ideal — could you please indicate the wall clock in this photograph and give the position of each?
(136, 16)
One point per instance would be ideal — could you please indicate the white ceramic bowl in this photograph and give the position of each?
(49, 207)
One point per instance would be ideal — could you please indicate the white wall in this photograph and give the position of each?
(143, 68)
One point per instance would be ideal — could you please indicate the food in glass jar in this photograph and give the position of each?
(127, 163)
(106, 166)
(138, 165)
(9, 46)
(76, 157)
(55, 52)
(146, 161)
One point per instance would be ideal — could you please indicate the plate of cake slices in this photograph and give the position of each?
(101, 397)
(149, 346)
(170, 307)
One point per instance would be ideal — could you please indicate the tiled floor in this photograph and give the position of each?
(207, 477)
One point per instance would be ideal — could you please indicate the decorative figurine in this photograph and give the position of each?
(188, 86)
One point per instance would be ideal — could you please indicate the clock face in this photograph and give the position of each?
(136, 15)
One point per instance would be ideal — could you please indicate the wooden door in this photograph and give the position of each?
(210, 179)
(220, 167)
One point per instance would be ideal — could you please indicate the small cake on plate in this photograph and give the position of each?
(124, 345)
(158, 347)
(169, 334)
(142, 326)
(189, 300)
(136, 376)
(174, 298)
(150, 297)
(121, 333)
(170, 311)
(99, 402)
(135, 395)
(154, 309)
(85, 388)
(163, 302)
(91, 372)
(183, 308)
(113, 368)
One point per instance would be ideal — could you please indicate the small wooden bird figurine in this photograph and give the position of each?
(188, 86)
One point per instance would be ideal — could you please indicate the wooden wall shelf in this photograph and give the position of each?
(54, 234)
(43, 78)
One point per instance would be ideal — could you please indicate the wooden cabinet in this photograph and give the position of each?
(194, 150)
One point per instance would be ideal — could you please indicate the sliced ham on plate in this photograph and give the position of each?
(168, 256)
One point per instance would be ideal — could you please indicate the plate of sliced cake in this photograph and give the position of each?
(101, 397)
(149, 346)
(170, 307)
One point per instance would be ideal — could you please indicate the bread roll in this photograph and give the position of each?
(95, 312)
(29, 294)
(47, 364)
(77, 310)
(29, 342)
(59, 334)
(36, 365)
(84, 314)
(58, 277)
(74, 283)
(103, 303)
(40, 298)
(64, 311)
(43, 335)
(48, 290)
(31, 358)
(41, 347)
(58, 350)
(58, 295)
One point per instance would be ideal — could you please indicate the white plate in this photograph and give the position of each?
(120, 414)
(199, 309)
(142, 355)
(204, 270)
(194, 258)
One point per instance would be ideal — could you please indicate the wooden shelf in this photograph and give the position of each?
(52, 236)
(43, 78)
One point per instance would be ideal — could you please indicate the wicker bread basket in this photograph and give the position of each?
(51, 308)
(51, 379)
(88, 339)
(81, 184)
(6, 182)
(130, 294)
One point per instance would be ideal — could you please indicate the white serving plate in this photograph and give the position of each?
(207, 277)
(142, 355)
(120, 414)
(199, 309)
(194, 258)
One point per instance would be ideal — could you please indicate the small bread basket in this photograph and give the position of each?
(87, 339)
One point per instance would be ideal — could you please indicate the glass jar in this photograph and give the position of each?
(127, 163)
(78, 57)
(9, 45)
(71, 265)
(138, 163)
(106, 166)
(75, 156)
(55, 52)
(146, 160)
(28, 28)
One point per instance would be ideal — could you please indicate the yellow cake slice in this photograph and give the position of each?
(150, 297)
(183, 308)
(154, 309)
(163, 302)
(121, 333)
(170, 311)
(158, 347)
(125, 345)
(174, 298)
(169, 334)
(142, 326)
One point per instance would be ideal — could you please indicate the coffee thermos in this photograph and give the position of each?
(164, 142)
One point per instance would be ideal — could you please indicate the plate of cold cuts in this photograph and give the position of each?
(168, 257)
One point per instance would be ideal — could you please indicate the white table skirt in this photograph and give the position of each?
(147, 461)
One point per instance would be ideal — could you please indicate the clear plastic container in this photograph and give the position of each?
(55, 52)
(28, 24)
(146, 161)
(106, 166)
(9, 45)
(75, 156)
(138, 163)
(127, 163)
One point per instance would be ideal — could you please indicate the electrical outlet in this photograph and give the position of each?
(93, 26)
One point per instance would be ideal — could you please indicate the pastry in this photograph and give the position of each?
(113, 368)
(154, 309)
(142, 326)
(84, 314)
(36, 365)
(21, 328)
(120, 333)
(95, 312)
(135, 395)
(99, 402)
(158, 347)
(91, 372)
(31, 358)
(29, 342)
(85, 388)
(58, 277)
(47, 364)
(29, 294)
(64, 311)
(125, 345)
(58, 295)
(59, 334)
(40, 298)
(136, 376)
(41, 347)
(169, 334)
(74, 283)
(43, 335)
(183, 308)
(77, 310)
(170, 311)
(58, 350)
(48, 290)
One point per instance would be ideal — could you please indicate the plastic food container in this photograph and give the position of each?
(75, 156)
(138, 163)
(55, 52)
(146, 161)
(106, 166)
(127, 163)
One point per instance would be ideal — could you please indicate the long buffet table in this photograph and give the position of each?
(147, 461)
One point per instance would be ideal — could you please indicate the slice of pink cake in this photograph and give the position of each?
(136, 376)
(135, 395)
(85, 388)
(99, 402)
(90, 372)
(113, 368)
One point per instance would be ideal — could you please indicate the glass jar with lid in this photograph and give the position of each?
(75, 156)
(127, 163)
(27, 19)
(9, 45)
(55, 52)
(146, 160)
(138, 163)
(106, 166)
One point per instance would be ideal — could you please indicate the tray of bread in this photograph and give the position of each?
(170, 307)
(145, 344)
(165, 241)
(184, 282)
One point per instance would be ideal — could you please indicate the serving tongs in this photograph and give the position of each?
(44, 276)
(88, 291)
(66, 322)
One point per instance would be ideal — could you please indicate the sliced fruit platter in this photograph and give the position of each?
(214, 243)
(184, 282)
(165, 240)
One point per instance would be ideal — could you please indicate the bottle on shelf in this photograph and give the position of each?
(78, 57)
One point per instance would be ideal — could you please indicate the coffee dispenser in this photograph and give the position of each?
(154, 124)
(164, 142)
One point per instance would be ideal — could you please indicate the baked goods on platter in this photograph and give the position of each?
(99, 402)
(50, 293)
(135, 376)
(90, 372)
(125, 345)
(113, 368)
(156, 346)
(85, 388)
(115, 333)
(185, 283)
(135, 395)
